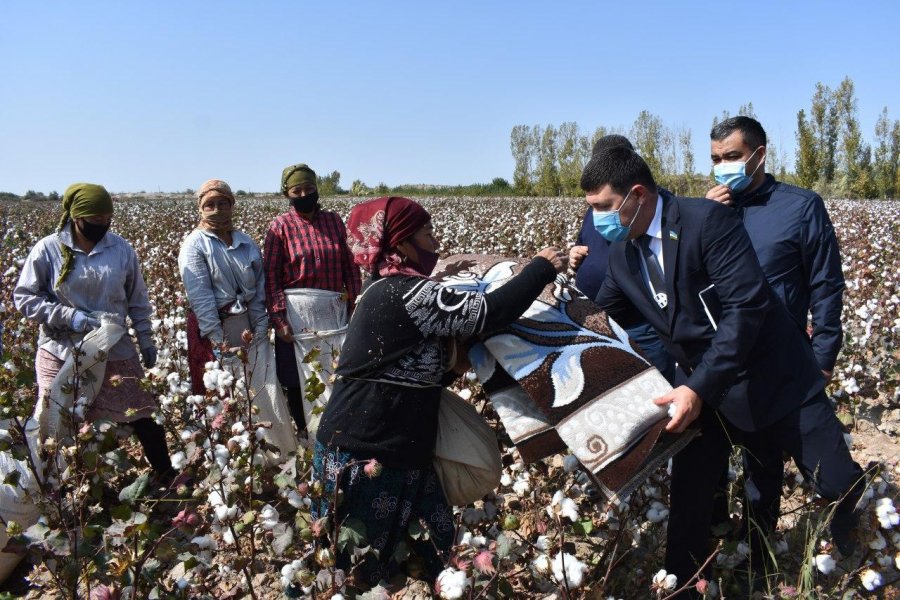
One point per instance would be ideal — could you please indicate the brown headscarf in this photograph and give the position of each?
(218, 221)
(374, 229)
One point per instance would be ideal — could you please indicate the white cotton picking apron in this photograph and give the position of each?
(265, 392)
(318, 319)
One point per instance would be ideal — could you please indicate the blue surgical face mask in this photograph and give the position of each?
(734, 174)
(609, 224)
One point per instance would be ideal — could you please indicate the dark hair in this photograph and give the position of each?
(753, 133)
(613, 140)
(619, 167)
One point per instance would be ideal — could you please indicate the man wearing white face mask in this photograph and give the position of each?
(797, 249)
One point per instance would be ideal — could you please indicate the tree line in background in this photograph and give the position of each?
(832, 157)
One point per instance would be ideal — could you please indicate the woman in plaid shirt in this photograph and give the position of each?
(305, 248)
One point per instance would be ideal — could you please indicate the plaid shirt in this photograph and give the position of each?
(307, 254)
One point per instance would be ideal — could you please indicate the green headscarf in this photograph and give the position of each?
(296, 175)
(80, 200)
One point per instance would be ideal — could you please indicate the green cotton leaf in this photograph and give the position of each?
(133, 492)
(90, 460)
(312, 355)
(282, 481)
(583, 527)
(352, 534)
(122, 512)
(505, 589)
(504, 546)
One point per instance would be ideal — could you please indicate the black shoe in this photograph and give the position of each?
(843, 532)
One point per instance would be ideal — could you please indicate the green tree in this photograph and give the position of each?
(647, 135)
(329, 185)
(523, 150)
(358, 188)
(807, 163)
(570, 157)
(887, 155)
(548, 171)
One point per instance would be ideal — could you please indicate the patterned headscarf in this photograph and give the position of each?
(216, 187)
(80, 200)
(374, 229)
(218, 222)
(295, 175)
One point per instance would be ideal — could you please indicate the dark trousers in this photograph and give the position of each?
(289, 378)
(811, 435)
(152, 437)
(814, 438)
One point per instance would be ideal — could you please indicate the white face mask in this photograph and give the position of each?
(734, 174)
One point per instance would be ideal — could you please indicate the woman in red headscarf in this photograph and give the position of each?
(392, 367)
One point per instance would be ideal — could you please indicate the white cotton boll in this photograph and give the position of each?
(221, 455)
(897, 561)
(478, 541)
(11, 367)
(521, 486)
(465, 394)
(570, 463)
(295, 499)
(657, 512)
(574, 572)
(542, 543)
(871, 579)
(237, 428)
(210, 379)
(464, 537)
(221, 513)
(204, 542)
(186, 435)
(886, 513)
(471, 376)
(824, 563)
(268, 517)
(453, 583)
(878, 542)
(178, 459)
(541, 564)
(227, 536)
(562, 506)
(260, 433)
(506, 480)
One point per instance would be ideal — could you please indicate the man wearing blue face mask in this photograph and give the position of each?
(688, 266)
(588, 257)
(797, 249)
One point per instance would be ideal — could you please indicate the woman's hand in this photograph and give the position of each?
(557, 258)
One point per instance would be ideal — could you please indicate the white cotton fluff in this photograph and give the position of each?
(453, 583)
(542, 543)
(522, 484)
(221, 455)
(575, 570)
(11, 367)
(506, 479)
(886, 513)
(562, 506)
(824, 563)
(289, 571)
(665, 581)
(268, 517)
(204, 542)
(871, 579)
(657, 512)
(178, 459)
(541, 564)
(878, 542)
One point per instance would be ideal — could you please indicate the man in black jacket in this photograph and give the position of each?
(797, 249)
(688, 266)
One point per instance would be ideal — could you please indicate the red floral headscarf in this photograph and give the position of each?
(374, 229)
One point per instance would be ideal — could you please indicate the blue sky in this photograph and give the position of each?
(164, 95)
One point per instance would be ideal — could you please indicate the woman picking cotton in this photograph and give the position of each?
(392, 367)
(222, 272)
(73, 279)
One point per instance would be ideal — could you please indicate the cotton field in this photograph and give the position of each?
(242, 527)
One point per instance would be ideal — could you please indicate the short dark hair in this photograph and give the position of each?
(618, 167)
(753, 133)
(613, 140)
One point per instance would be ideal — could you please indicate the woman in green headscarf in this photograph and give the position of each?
(69, 279)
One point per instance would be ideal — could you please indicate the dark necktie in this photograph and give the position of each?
(654, 272)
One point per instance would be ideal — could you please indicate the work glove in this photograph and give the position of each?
(148, 357)
(83, 322)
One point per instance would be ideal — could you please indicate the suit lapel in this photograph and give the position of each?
(671, 237)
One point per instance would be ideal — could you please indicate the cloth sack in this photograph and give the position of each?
(319, 321)
(466, 456)
(15, 501)
(265, 392)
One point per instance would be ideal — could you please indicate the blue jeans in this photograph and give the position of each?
(645, 337)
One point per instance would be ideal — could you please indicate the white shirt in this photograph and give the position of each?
(654, 230)
(106, 279)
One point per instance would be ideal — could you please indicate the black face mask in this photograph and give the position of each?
(92, 231)
(307, 203)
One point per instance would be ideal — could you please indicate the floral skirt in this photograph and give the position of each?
(387, 504)
(120, 402)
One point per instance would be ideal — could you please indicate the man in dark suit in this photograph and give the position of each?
(687, 265)
(798, 251)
